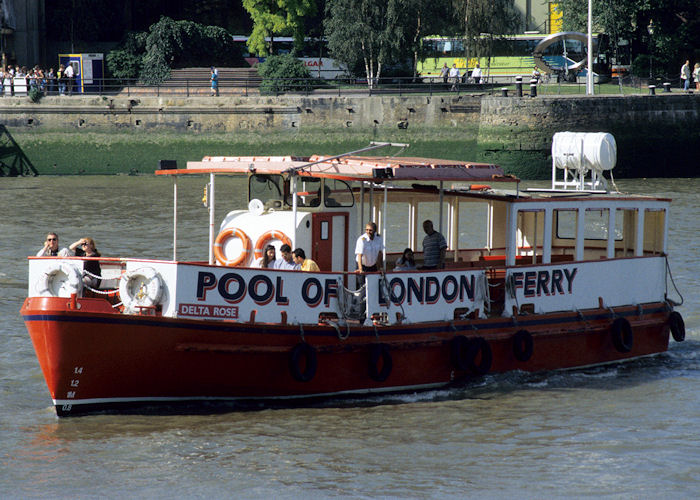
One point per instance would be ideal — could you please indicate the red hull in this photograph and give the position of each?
(94, 358)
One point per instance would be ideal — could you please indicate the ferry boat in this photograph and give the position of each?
(569, 276)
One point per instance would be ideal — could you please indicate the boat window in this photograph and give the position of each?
(338, 194)
(654, 228)
(266, 188)
(596, 222)
(308, 192)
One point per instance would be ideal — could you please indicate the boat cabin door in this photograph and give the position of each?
(329, 233)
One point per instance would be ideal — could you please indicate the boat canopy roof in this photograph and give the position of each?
(349, 168)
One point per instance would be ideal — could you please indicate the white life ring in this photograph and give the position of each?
(60, 279)
(140, 287)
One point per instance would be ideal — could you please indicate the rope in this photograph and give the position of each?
(101, 292)
(672, 302)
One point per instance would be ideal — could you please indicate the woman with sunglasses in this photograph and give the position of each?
(85, 247)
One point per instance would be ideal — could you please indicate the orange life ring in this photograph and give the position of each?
(479, 187)
(224, 235)
(270, 235)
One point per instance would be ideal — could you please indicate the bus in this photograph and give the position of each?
(514, 55)
(313, 55)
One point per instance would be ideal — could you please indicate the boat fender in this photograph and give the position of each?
(222, 237)
(380, 362)
(140, 287)
(60, 279)
(459, 346)
(522, 345)
(479, 350)
(675, 321)
(270, 235)
(303, 362)
(622, 335)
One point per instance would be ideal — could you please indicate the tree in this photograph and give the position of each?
(172, 44)
(370, 33)
(483, 23)
(282, 73)
(276, 17)
(425, 17)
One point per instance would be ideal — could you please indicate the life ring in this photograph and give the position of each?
(479, 187)
(303, 362)
(380, 362)
(60, 279)
(522, 345)
(270, 235)
(478, 347)
(231, 232)
(675, 321)
(140, 287)
(622, 335)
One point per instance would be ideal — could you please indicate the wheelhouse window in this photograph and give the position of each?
(308, 191)
(337, 194)
(266, 188)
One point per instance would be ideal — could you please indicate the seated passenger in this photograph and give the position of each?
(50, 248)
(268, 260)
(287, 260)
(406, 262)
(85, 247)
(306, 264)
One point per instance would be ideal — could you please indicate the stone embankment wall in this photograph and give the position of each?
(656, 135)
(229, 114)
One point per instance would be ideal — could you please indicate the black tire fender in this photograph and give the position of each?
(459, 347)
(380, 362)
(622, 336)
(479, 345)
(675, 321)
(303, 362)
(523, 345)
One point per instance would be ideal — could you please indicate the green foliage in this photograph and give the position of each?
(35, 94)
(283, 73)
(494, 17)
(277, 17)
(366, 33)
(172, 44)
(125, 62)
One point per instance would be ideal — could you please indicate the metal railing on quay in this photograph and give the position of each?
(400, 86)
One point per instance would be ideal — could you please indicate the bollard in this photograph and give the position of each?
(652, 89)
(519, 86)
(504, 92)
(667, 88)
(533, 88)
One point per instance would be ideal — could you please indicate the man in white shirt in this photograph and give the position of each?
(368, 250)
(454, 76)
(69, 77)
(50, 248)
(476, 74)
(287, 260)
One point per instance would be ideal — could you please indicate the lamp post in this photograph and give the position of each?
(650, 30)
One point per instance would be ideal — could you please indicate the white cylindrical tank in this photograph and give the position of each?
(584, 151)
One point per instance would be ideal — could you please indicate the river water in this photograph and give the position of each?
(619, 431)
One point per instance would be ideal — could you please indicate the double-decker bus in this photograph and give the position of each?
(313, 55)
(514, 55)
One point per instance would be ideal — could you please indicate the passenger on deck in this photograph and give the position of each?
(406, 261)
(368, 250)
(434, 247)
(287, 260)
(304, 263)
(50, 248)
(85, 247)
(268, 259)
